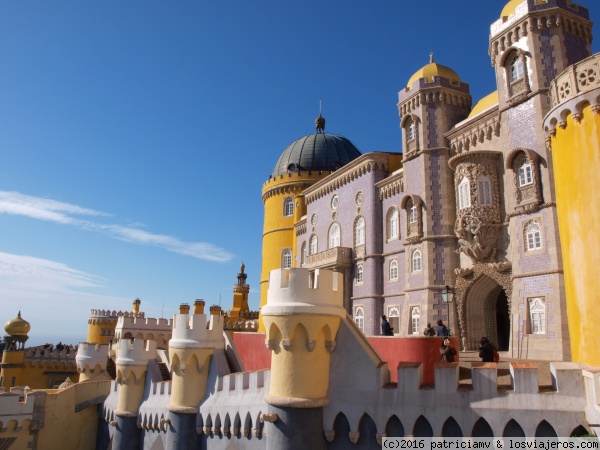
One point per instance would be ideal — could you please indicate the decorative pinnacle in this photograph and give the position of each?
(431, 58)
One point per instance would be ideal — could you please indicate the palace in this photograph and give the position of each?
(494, 202)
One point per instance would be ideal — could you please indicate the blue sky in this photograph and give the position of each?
(135, 136)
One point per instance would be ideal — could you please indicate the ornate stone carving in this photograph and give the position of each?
(329, 435)
(354, 435)
(269, 417)
(311, 345)
(501, 266)
(286, 343)
(475, 238)
(463, 271)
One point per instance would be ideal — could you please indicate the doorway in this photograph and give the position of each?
(502, 321)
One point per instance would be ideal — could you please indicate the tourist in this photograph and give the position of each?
(447, 352)
(429, 331)
(486, 351)
(386, 330)
(441, 329)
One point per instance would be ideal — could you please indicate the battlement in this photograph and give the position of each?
(103, 313)
(297, 291)
(49, 356)
(135, 352)
(191, 331)
(135, 325)
(91, 355)
(16, 405)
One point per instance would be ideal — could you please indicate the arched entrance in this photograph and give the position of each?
(487, 314)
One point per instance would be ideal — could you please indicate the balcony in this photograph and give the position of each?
(337, 257)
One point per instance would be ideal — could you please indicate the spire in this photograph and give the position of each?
(320, 121)
(431, 58)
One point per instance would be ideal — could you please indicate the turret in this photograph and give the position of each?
(302, 317)
(91, 359)
(190, 352)
(132, 365)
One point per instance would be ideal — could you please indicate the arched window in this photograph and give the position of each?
(515, 68)
(393, 270)
(359, 231)
(392, 223)
(412, 214)
(464, 193)
(304, 253)
(533, 236)
(286, 259)
(313, 245)
(525, 174)
(334, 235)
(288, 206)
(359, 274)
(484, 190)
(359, 318)
(416, 261)
(415, 316)
(537, 315)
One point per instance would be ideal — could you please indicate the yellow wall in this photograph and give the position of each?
(34, 375)
(189, 386)
(278, 231)
(95, 334)
(576, 156)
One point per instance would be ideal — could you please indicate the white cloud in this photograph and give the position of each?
(52, 296)
(15, 203)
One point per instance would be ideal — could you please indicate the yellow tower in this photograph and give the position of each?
(303, 163)
(302, 318)
(102, 323)
(573, 129)
(13, 357)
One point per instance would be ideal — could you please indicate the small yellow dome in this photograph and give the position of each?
(17, 326)
(485, 103)
(510, 8)
(431, 70)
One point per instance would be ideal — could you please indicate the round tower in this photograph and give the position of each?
(91, 359)
(302, 317)
(13, 357)
(304, 162)
(132, 365)
(573, 132)
(190, 352)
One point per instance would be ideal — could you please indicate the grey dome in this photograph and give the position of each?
(316, 152)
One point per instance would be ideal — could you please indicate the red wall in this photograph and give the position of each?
(394, 350)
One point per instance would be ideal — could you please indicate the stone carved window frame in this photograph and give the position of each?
(388, 224)
(528, 196)
(416, 260)
(480, 167)
(393, 314)
(288, 206)
(303, 254)
(526, 225)
(521, 86)
(359, 248)
(359, 276)
(411, 145)
(393, 270)
(359, 319)
(286, 258)
(414, 230)
(331, 235)
(541, 319)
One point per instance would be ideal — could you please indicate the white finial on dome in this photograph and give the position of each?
(431, 57)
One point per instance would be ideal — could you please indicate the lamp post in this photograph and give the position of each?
(447, 298)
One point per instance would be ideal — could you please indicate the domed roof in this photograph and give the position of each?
(17, 326)
(316, 152)
(431, 70)
(485, 103)
(509, 8)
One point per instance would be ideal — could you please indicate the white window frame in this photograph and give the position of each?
(335, 235)
(412, 214)
(525, 174)
(393, 313)
(415, 320)
(313, 245)
(533, 236)
(359, 274)
(303, 254)
(411, 131)
(393, 270)
(484, 191)
(416, 261)
(537, 315)
(516, 68)
(288, 206)
(359, 318)
(286, 258)
(464, 193)
(393, 223)
(359, 231)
